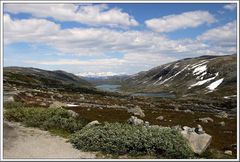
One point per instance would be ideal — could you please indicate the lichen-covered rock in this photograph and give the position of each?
(92, 123)
(136, 111)
(160, 118)
(206, 120)
(135, 121)
(222, 114)
(197, 141)
(73, 113)
(57, 104)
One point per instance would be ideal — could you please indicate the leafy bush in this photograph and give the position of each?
(10, 105)
(119, 138)
(52, 118)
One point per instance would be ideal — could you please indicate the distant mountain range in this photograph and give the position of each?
(191, 76)
(209, 76)
(41, 78)
(97, 74)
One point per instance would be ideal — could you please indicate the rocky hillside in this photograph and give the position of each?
(33, 77)
(205, 75)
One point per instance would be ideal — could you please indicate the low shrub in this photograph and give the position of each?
(11, 105)
(119, 138)
(52, 118)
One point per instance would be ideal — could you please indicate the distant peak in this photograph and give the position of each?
(98, 74)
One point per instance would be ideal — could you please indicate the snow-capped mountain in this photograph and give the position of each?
(98, 74)
(197, 76)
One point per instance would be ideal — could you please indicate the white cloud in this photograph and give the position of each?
(27, 30)
(230, 7)
(95, 15)
(141, 49)
(223, 35)
(182, 21)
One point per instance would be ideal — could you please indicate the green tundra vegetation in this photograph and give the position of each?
(114, 138)
(119, 138)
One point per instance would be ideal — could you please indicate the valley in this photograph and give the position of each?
(172, 95)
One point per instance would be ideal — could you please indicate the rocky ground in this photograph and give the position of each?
(216, 120)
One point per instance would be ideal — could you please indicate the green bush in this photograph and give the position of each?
(52, 118)
(10, 105)
(119, 138)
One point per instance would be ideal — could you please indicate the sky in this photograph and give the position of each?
(117, 38)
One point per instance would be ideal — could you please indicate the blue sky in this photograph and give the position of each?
(115, 38)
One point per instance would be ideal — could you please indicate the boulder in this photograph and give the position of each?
(8, 98)
(188, 111)
(136, 111)
(197, 142)
(73, 113)
(135, 121)
(57, 104)
(42, 104)
(93, 123)
(199, 130)
(160, 118)
(28, 94)
(228, 152)
(177, 127)
(59, 95)
(146, 123)
(206, 120)
(222, 114)
(222, 123)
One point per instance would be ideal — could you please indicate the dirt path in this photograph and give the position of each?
(22, 142)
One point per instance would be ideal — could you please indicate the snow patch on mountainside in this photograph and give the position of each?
(200, 69)
(199, 83)
(162, 82)
(158, 80)
(198, 64)
(215, 84)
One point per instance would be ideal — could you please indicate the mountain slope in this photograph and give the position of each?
(192, 76)
(42, 78)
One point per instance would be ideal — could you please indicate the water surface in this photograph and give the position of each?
(108, 87)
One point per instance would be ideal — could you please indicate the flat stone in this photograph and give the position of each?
(92, 123)
(197, 142)
(135, 121)
(160, 118)
(228, 152)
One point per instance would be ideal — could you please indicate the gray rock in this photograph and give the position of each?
(146, 123)
(29, 94)
(188, 111)
(188, 129)
(93, 123)
(7, 98)
(222, 114)
(59, 95)
(206, 120)
(135, 121)
(43, 104)
(155, 126)
(177, 127)
(222, 123)
(199, 129)
(197, 142)
(57, 104)
(160, 118)
(136, 111)
(228, 152)
(73, 113)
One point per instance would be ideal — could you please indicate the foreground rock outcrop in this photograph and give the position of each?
(197, 139)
